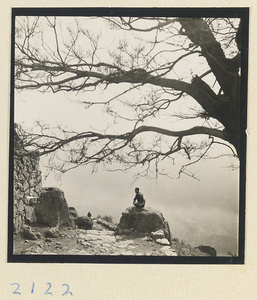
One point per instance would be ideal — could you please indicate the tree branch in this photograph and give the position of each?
(53, 143)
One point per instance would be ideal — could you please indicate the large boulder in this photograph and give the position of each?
(84, 222)
(144, 220)
(52, 208)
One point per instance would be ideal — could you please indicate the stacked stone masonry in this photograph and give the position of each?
(27, 184)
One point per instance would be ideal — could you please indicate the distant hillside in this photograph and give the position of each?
(222, 243)
(194, 235)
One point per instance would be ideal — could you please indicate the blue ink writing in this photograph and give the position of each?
(47, 291)
(33, 285)
(18, 286)
(67, 291)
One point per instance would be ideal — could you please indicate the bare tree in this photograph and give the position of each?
(168, 63)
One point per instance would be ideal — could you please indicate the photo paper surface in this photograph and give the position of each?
(90, 113)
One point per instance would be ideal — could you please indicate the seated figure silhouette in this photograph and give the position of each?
(139, 200)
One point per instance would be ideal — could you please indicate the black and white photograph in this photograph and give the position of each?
(128, 135)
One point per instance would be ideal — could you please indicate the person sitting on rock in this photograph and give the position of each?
(89, 214)
(139, 200)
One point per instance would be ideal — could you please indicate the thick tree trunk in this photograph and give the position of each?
(226, 108)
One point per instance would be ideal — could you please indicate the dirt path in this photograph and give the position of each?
(91, 242)
(98, 241)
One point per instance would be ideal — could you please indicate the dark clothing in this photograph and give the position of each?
(139, 200)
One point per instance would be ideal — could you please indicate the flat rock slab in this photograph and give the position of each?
(163, 241)
(159, 234)
(95, 235)
(101, 232)
(125, 243)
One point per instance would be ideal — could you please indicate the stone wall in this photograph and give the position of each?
(27, 184)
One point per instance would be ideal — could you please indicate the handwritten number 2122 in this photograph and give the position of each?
(47, 292)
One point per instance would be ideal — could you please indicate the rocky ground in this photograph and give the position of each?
(97, 241)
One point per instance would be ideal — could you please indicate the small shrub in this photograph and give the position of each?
(106, 218)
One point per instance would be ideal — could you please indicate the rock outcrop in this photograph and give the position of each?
(144, 220)
(27, 233)
(52, 233)
(73, 213)
(52, 208)
(84, 222)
